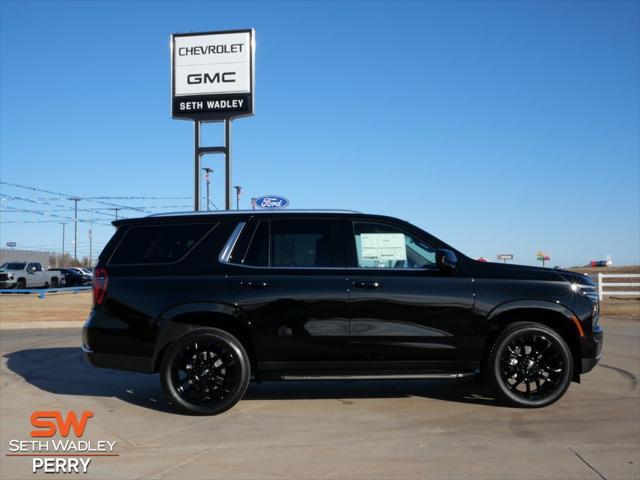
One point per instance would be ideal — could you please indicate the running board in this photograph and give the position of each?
(400, 376)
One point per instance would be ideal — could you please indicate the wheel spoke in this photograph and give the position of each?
(205, 372)
(535, 360)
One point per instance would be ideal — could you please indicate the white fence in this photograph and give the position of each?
(618, 293)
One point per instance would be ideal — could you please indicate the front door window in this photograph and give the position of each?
(379, 245)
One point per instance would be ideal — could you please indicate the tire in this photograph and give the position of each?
(530, 365)
(205, 372)
(21, 284)
(54, 283)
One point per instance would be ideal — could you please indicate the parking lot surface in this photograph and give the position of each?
(368, 430)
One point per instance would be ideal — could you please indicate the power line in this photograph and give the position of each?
(41, 201)
(97, 210)
(67, 196)
(99, 222)
(137, 198)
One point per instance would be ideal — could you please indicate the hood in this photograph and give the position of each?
(526, 272)
(513, 271)
(575, 277)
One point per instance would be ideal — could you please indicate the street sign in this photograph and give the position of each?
(542, 257)
(212, 74)
(271, 201)
(505, 256)
(11, 244)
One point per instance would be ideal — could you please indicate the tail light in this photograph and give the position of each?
(100, 280)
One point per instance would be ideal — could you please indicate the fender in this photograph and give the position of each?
(535, 304)
(168, 331)
(478, 343)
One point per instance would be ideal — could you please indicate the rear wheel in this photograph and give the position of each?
(205, 372)
(530, 365)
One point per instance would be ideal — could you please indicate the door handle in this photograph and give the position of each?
(368, 285)
(252, 284)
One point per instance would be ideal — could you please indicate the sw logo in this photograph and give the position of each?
(48, 428)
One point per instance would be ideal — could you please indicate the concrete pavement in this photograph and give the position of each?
(368, 430)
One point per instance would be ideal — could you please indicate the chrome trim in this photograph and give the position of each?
(346, 269)
(244, 212)
(401, 376)
(262, 267)
(225, 253)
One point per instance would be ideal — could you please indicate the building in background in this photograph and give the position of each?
(14, 255)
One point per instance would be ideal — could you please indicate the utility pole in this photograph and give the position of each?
(207, 172)
(91, 239)
(75, 228)
(62, 256)
(116, 210)
(238, 191)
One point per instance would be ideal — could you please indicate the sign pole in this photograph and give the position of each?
(196, 150)
(227, 164)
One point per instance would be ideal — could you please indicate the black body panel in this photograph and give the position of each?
(318, 318)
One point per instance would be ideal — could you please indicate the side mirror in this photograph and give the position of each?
(446, 260)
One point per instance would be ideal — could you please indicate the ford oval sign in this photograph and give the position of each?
(271, 201)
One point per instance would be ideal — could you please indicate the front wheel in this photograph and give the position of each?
(530, 365)
(205, 372)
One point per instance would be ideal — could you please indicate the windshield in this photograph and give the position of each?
(13, 266)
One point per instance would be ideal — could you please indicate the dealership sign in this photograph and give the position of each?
(212, 74)
(271, 201)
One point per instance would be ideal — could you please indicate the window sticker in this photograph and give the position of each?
(383, 247)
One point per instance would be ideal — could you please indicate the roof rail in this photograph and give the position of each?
(253, 212)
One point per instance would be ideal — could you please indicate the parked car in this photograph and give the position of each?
(22, 275)
(73, 277)
(211, 301)
(82, 270)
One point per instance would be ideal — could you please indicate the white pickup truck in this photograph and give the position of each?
(28, 275)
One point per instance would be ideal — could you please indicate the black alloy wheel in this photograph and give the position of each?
(21, 284)
(530, 365)
(54, 283)
(205, 372)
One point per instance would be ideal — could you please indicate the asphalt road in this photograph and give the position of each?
(367, 430)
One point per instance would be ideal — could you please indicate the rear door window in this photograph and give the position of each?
(158, 244)
(296, 244)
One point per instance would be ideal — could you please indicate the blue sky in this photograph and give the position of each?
(501, 127)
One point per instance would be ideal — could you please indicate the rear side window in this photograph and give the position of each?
(296, 243)
(157, 244)
(258, 251)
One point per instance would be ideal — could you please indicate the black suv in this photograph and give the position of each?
(213, 300)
